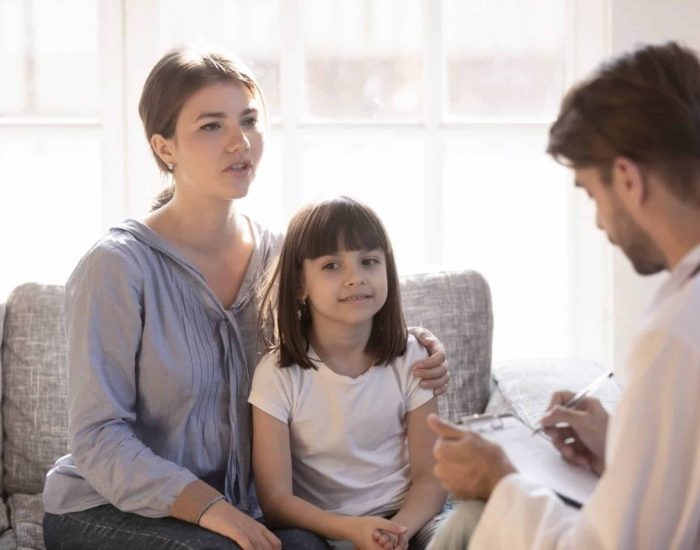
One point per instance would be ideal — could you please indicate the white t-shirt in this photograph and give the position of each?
(347, 435)
(649, 494)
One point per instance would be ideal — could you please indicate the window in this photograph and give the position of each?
(50, 136)
(434, 112)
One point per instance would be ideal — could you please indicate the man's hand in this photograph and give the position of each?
(578, 433)
(467, 465)
(433, 370)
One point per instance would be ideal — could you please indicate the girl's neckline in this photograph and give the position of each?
(327, 372)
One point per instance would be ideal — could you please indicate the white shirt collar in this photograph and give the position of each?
(678, 276)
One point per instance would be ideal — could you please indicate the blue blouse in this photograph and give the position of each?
(159, 376)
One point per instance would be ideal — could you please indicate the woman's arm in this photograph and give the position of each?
(426, 497)
(433, 370)
(104, 326)
(272, 465)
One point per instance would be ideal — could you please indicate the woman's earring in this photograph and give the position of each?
(171, 166)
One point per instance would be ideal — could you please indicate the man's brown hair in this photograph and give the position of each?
(644, 105)
(317, 230)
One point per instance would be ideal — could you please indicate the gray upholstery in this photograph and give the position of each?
(34, 386)
(526, 385)
(455, 306)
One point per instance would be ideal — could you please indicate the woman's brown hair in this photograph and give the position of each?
(178, 75)
(317, 230)
(644, 105)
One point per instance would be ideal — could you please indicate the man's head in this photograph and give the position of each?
(635, 121)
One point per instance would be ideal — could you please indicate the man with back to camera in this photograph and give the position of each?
(631, 133)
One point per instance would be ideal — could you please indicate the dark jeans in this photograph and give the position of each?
(106, 528)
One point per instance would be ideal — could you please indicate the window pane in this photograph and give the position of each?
(248, 29)
(505, 216)
(65, 57)
(49, 202)
(12, 58)
(384, 171)
(363, 58)
(51, 68)
(504, 66)
(264, 202)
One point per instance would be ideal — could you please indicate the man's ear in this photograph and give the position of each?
(629, 182)
(163, 148)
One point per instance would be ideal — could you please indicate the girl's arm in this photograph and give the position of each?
(272, 466)
(426, 497)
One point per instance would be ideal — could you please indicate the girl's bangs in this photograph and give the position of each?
(339, 225)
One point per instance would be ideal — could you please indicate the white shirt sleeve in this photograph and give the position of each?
(414, 395)
(649, 495)
(271, 390)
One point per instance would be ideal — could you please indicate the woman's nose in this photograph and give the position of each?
(238, 141)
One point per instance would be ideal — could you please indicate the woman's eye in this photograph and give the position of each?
(211, 126)
(251, 122)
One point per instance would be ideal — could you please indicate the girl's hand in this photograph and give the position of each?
(433, 370)
(390, 541)
(364, 530)
(230, 522)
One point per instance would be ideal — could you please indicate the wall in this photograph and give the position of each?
(633, 22)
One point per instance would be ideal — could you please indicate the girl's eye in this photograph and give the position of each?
(211, 126)
(331, 266)
(370, 261)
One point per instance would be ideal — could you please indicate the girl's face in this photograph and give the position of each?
(218, 142)
(348, 287)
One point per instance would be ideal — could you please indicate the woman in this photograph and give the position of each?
(161, 323)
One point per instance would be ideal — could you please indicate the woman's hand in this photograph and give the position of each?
(225, 519)
(375, 533)
(433, 370)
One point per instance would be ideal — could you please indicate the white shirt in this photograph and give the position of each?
(649, 495)
(347, 435)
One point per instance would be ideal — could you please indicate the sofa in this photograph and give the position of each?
(454, 305)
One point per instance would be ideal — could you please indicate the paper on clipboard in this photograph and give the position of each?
(534, 457)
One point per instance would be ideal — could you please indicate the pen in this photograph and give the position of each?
(581, 394)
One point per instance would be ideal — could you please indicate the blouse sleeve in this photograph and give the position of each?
(104, 327)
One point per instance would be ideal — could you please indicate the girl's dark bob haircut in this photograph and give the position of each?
(317, 230)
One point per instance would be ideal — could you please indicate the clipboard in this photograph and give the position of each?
(534, 456)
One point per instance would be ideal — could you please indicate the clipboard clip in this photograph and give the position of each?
(483, 422)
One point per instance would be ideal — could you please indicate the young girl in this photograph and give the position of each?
(340, 441)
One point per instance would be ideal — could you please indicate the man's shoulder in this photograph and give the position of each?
(679, 316)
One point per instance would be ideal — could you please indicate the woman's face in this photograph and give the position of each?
(218, 142)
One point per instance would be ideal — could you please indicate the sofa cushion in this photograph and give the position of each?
(34, 414)
(455, 307)
(8, 540)
(27, 514)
